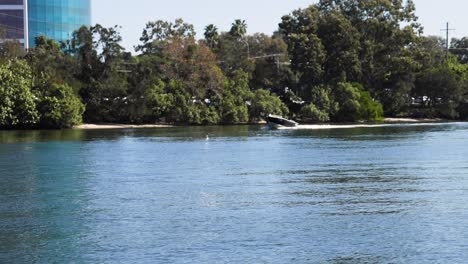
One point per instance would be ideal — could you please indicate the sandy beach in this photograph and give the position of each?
(386, 122)
(117, 126)
(412, 120)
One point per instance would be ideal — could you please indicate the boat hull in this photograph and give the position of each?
(280, 122)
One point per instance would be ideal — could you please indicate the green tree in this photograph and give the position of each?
(271, 67)
(355, 104)
(265, 103)
(47, 59)
(159, 31)
(17, 103)
(233, 49)
(370, 109)
(189, 68)
(100, 59)
(459, 48)
(83, 49)
(107, 42)
(430, 52)
(347, 96)
(234, 104)
(322, 105)
(183, 110)
(11, 50)
(238, 29)
(443, 90)
(306, 50)
(233, 54)
(341, 43)
(171, 103)
(211, 36)
(194, 65)
(209, 115)
(389, 33)
(372, 42)
(158, 102)
(59, 106)
(311, 113)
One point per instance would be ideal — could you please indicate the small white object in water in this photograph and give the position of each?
(207, 137)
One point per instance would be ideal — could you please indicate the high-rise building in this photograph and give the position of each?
(13, 22)
(24, 20)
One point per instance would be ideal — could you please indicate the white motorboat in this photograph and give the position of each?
(279, 122)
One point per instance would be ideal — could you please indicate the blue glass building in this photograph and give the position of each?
(24, 20)
(57, 19)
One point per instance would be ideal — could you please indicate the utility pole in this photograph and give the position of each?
(447, 30)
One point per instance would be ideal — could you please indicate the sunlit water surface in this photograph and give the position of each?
(391, 194)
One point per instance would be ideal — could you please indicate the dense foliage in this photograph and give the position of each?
(28, 102)
(335, 61)
(377, 46)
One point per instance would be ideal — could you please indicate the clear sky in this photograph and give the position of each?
(260, 15)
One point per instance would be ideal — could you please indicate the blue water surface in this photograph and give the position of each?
(394, 194)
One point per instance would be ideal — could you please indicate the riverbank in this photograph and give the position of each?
(118, 126)
(392, 120)
(386, 121)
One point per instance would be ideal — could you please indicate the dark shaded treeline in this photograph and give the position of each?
(339, 61)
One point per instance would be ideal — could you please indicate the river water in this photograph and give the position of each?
(390, 194)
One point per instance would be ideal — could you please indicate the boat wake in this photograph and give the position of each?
(328, 127)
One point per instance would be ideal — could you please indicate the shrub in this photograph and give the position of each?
(369, 110)
(310, 113)
(17, 104)
(59, 107)
(264, 103)
(356, 104)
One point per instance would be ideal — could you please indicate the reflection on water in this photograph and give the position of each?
(395, 194)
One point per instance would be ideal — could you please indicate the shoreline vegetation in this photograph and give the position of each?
(332, 62)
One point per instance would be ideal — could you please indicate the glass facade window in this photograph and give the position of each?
(57, 19)
(11, 2)
(11, 24)
(11, 19)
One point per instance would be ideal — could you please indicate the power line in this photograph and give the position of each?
(267, 56)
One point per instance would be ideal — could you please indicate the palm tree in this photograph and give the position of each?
(211, 35)
(238, 29)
